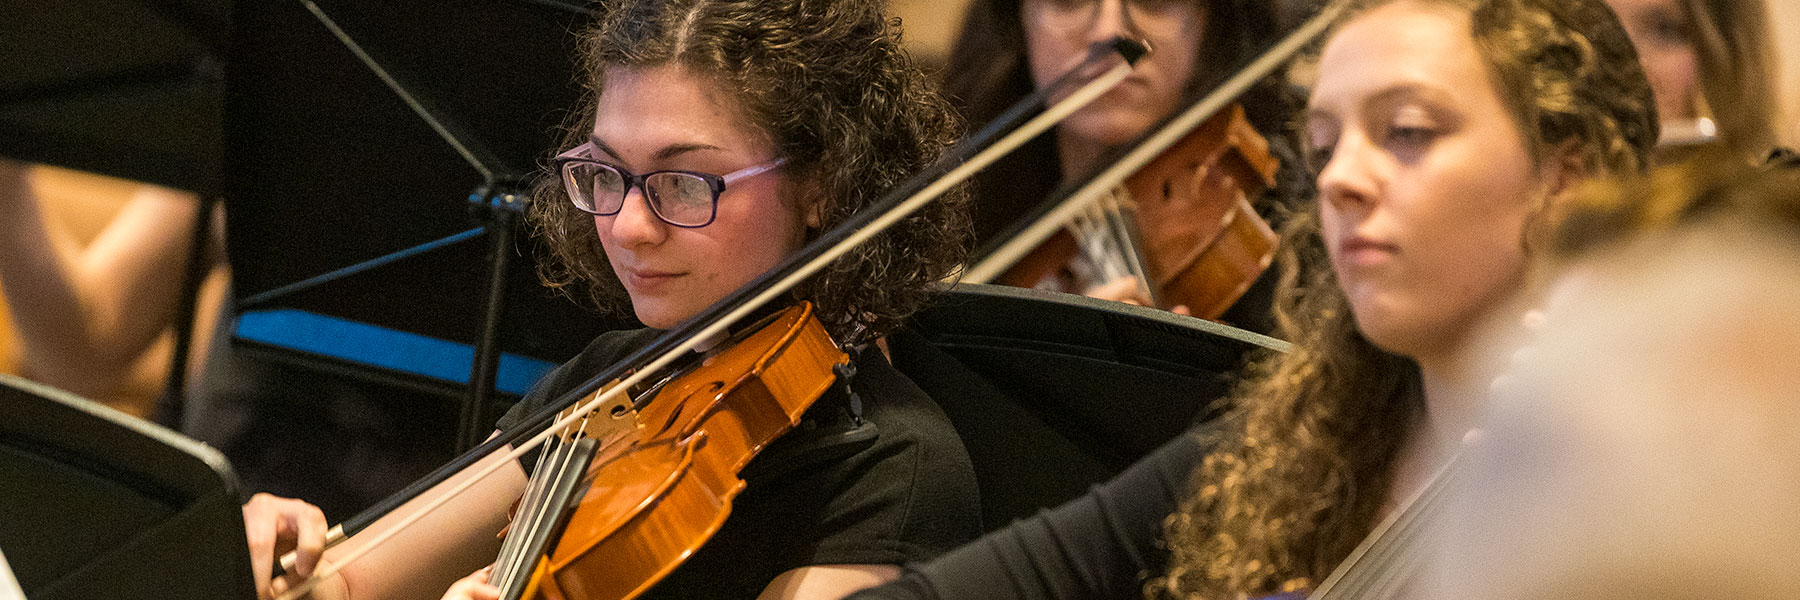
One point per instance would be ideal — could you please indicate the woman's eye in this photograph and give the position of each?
(1317, 157)
(1157, 7)
(1667, 28)
(1670, 33)
(1411, 135)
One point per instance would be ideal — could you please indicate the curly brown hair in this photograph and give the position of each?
(830, 83)
(1288, 494)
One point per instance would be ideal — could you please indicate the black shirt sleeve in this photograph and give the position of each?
(1101, 545)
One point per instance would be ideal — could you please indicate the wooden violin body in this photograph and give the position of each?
(1201, 242)
(663, 480)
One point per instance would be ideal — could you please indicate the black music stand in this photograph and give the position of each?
(98, 504)
(129, 88)
(1053, 392)
(360, 137)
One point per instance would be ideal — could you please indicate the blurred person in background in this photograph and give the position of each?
(1647, 444)
(1712, 65)
(89, 314)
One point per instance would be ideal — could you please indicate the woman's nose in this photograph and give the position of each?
(635, 223)
(1110, 21)
(1349, 178)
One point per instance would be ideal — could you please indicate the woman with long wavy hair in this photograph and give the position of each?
(1438, 130)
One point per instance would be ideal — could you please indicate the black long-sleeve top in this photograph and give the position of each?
(1100, 545)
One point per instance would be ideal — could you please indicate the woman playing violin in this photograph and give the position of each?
(1437, 129)
(1010, 47)
(724, 134)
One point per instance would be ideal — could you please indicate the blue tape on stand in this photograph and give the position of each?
(377, 346)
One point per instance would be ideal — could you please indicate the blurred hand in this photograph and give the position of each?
(1126, 289)
(275, 526)
(473, 587)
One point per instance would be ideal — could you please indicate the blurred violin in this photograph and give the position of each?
(1182, 225)
(1174, 210)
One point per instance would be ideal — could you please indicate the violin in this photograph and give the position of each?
(648, 486)
(1182, 224)
(1215, 252)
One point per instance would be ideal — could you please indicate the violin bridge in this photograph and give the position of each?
(613, 425)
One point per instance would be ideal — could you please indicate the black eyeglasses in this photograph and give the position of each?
(679, 198)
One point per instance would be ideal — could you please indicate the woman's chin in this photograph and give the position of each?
(1107, 128)
(655, 317)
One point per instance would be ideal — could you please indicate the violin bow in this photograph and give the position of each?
(713, 322)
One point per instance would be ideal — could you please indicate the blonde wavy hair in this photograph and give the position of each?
(1282, 499)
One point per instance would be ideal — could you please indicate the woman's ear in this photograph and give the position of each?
(1565, 170)
(813, 204)
(1562, 171)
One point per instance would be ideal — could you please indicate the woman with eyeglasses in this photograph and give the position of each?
(1711, 63)
(1010, 47)
(721, 136)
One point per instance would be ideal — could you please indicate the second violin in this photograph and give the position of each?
(1182, 225)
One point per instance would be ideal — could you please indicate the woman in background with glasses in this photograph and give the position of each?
(1711, 64)
(1010, 47)
(723, 135)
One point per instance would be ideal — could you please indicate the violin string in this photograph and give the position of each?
(529, 515)
(1395, 570)
(557, 449)
(565, 488)
(533, 492)
(1419, 537)
(1121, 208)
(1389, 557)
(1030, 129)
(571, 464)
(541, 505)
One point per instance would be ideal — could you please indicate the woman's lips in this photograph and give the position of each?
(645, 280)
(1361, 251)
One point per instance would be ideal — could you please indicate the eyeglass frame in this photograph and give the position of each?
(715, 183)
(1127, 15)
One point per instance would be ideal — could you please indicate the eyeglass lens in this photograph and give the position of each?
(1151, 18)
(679, 198)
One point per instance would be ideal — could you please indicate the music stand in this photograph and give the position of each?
(99, 504)
(1052, 393)
(129, 88)
(360, 137)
